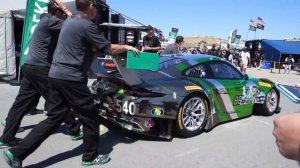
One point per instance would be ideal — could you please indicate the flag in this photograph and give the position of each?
(252, 25)
(34, 9)
(260, 23)
(232, 36)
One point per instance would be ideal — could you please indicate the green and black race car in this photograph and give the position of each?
(187, 95)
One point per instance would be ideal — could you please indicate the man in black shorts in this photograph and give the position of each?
(72, 59)
(35, 71)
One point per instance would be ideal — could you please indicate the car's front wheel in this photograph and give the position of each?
(271, 103)
(192, 116)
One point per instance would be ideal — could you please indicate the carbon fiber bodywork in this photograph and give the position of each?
(152, 107)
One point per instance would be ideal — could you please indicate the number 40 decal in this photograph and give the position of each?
(127, 107)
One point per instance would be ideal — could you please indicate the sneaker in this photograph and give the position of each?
(10, 144)
(77, 137)
(3, 123)
(101, 159)
(10, 160)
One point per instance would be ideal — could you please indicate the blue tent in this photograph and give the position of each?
(274, 49)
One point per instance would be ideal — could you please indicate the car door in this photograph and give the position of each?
(233, 89)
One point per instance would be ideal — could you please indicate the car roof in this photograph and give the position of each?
(192, 59)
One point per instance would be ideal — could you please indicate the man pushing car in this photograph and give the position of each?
(68, 86)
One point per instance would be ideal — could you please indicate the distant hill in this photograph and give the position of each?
(193, 41)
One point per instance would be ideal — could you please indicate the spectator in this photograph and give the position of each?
(213, 51)
(194, 50)
(230, 57)
(150, 41)
(198, 50)
(174, 48)
(224, 54)
(257, 58)
(203, 50)
(245, 56)
(289, 61)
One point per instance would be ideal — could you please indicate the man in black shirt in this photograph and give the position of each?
(35, 71)
(213, 51)
(72, 59)
(150, 41)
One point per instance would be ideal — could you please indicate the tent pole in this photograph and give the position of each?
(280, 63)
(247, 35)
(254, 35)
(5, 45)
(19, 74)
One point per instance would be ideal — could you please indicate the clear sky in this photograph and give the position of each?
(216, 17)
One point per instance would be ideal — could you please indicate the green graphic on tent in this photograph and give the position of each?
(34, 9)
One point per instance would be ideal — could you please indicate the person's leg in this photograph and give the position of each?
(73, 125)
(40, 81)
(286, 68)
(244, 68)
(23, 103)
(80, 98)
(290, 67)
(34, 110)
(57, 112)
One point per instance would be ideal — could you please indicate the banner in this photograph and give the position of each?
(173, 34)
(232, 36)
(34, 9)
(252, 25)
(260, 23)
(237, 39)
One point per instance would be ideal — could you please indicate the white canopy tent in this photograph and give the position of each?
(7, 45)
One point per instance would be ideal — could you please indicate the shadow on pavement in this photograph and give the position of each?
(58, 158)
(108, 140)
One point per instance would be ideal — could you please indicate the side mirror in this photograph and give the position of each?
(247, 77)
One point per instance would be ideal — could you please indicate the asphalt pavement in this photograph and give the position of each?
(245, 143)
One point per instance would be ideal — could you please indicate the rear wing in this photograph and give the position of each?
(116, 63)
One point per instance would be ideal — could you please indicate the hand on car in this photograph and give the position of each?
(287, 134)
(132, 49)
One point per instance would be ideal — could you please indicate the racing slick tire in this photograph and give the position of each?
(271, 103)
(192, 116)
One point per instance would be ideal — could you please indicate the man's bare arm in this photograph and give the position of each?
(117, 49)
(145, 48)
(62, 7)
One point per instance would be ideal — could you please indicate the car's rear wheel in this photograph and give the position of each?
(271, 103)
(192, 116)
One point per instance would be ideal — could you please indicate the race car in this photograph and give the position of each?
(188, 95)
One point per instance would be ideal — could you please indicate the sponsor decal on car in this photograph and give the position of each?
(157, 112)
(109, 65)
(128, 107)
(188, 88)
(174, 95)
(264, 84)
(249, 95)
(149, 123)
